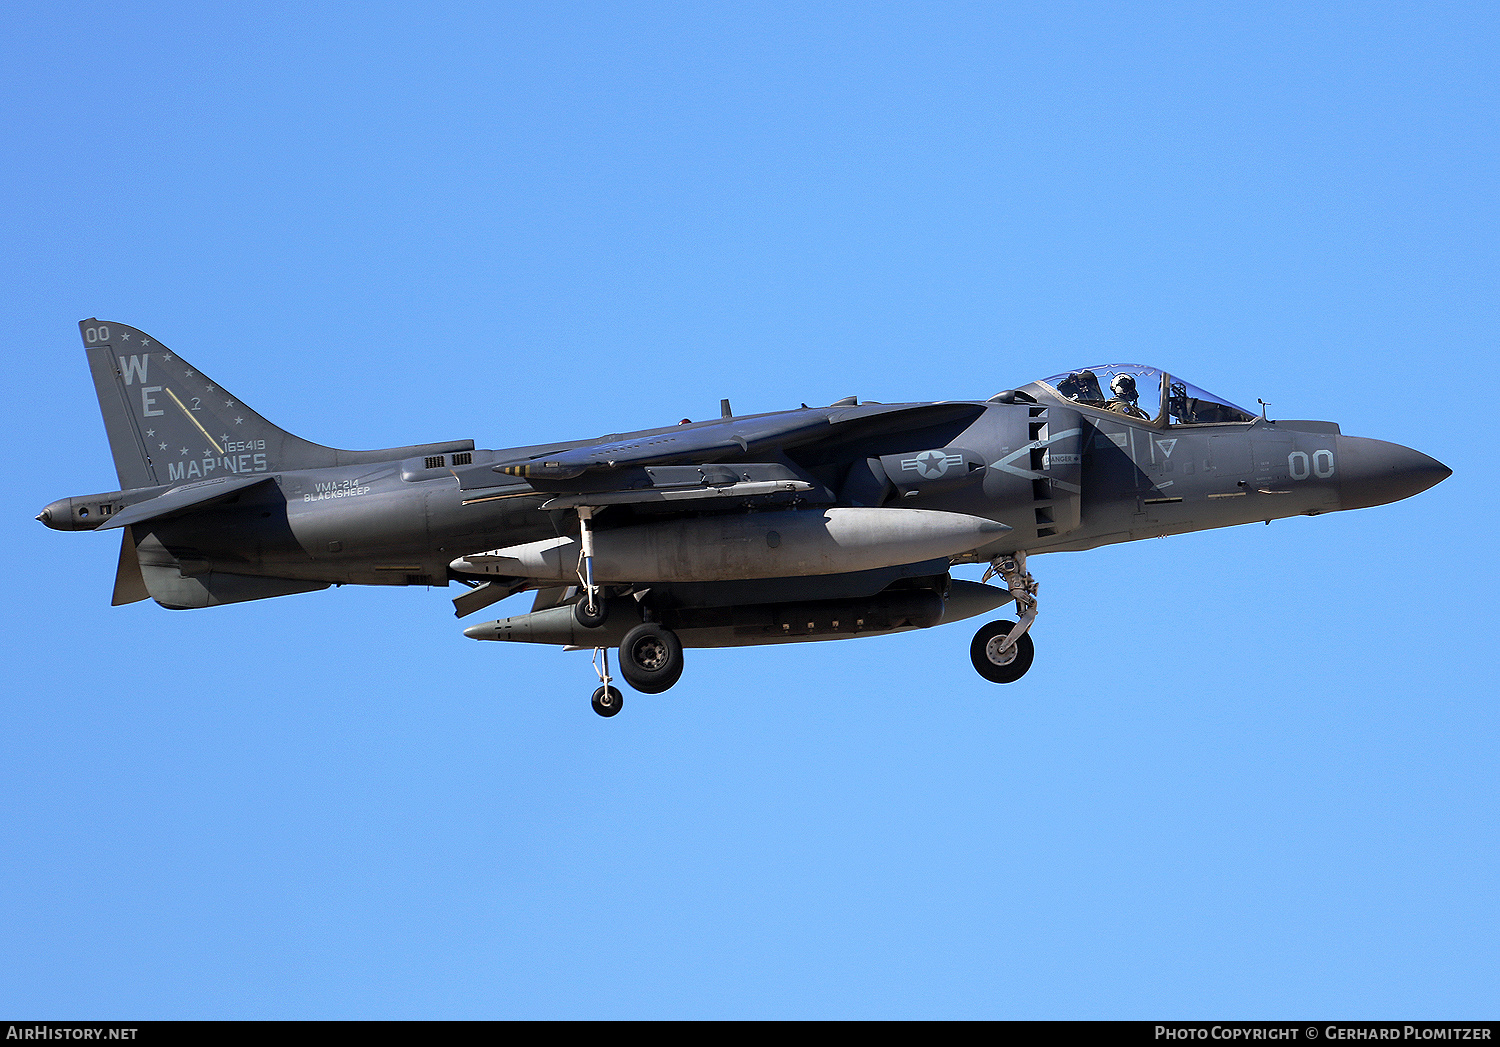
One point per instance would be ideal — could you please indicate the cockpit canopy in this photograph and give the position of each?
(1139, 392)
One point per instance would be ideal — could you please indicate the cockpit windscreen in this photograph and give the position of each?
(1189, 405)
(1128, 389)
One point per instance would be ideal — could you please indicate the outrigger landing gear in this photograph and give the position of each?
(607, 699)
(1002, 651)
(589, 611)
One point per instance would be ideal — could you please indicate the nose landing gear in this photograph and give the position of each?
(998, 655)
(1002, 651)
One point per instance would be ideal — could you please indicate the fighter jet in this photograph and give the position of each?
(818, 523)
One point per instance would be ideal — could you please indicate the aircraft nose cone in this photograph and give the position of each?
(1373, 472)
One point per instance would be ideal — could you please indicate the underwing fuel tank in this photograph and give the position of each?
(787, 544)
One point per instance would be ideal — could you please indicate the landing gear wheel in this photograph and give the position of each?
(998, 666)
(651, 658)
(590, 620)
(608, 701)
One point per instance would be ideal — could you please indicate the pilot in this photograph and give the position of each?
(1125, 396)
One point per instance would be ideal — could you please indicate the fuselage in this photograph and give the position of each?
(822, 523)
(1060, 475)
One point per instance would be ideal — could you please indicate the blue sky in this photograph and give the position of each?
(1253, 771)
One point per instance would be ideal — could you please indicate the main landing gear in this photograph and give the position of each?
(1002, 651)
(650, 661)
(651, 658)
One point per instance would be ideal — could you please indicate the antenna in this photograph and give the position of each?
(1263, 406)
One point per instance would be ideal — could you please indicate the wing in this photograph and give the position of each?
(621, 461)
(774, 461)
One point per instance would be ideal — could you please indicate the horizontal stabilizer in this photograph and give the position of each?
(184, 499)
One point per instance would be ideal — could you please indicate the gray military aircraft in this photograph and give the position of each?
(820, 523)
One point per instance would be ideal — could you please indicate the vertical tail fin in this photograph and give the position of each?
(127, 442)
(169, 423)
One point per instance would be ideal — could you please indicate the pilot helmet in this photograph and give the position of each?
(1123, 386)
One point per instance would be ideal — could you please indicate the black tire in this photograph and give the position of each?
(608, 701)
(1018, 658)
(650, 658)
(582, 616)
